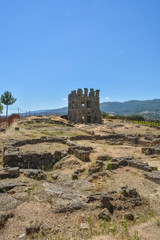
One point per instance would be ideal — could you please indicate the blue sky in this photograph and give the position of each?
(50, 47)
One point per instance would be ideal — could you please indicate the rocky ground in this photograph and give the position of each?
(73, 182)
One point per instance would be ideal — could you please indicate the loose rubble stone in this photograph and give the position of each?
(57, 156)
(110, 137)
(34, 173)
(8, 185)
(150, 150)
(82, 155)
(100, 162)
(144, 142)
(46, 226)
(74, 205)
(140, 165)
(54, 176)
(7, 202)
(81, 152)
(105, 202)
(3, 220)
(153, 176)
(13, 172)
(95, 175)
(75, 176)
(94, 169)
(79, 170)
(103, 157)
(11, 159)
(9, 173)
(33, 228)
(73, 146)
(129, 216)
(123, 162)
(69, 163)
(104, 215)
(113, 166)
(91, 198)
(3, 174)
(22, 236)
(84, 226)
(129, 192)
(2, 129)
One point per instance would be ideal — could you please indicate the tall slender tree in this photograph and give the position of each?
(7, 99)
(1, 108)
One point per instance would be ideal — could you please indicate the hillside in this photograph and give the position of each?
(148, 108)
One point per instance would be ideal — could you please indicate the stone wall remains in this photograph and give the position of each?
(84, 107)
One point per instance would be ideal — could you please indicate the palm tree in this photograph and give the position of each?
(7, 99)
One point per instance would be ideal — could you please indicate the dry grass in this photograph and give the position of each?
(66, 226)
(42, 147)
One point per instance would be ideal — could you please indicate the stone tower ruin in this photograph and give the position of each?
(84, 107)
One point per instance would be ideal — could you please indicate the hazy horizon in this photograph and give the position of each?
(48, 109)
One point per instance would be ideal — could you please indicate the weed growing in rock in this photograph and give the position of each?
(109, 166)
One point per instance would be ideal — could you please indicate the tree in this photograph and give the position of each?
(1, 107)
(7, 99)
(105, 115)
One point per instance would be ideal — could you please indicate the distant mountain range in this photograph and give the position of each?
(148, 108)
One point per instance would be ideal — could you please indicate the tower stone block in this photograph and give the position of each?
(84, 107)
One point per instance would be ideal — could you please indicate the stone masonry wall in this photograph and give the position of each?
(84, 107)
